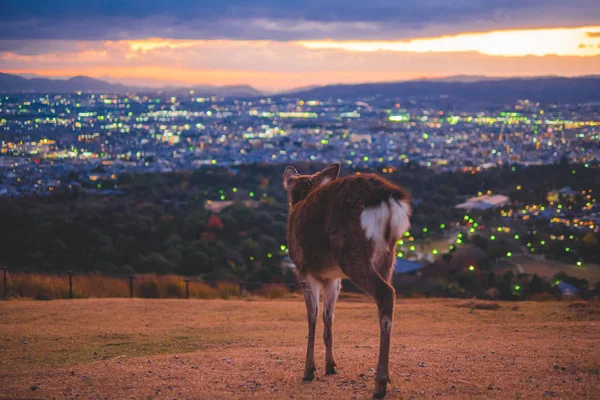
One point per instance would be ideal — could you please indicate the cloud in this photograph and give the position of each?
(281, 19)
(270, 64)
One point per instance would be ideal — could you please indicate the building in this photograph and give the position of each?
(485, 202)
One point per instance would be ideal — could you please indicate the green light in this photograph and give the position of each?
(222, 197)
(509, 254)
(567, 249)
(400, 255)
(400, 242)
(543, 242)
(517, 237)
(579, 263)
(460, 235)
(365, 158)
(442, 226)
(492, 237)
(466, 218)
(425, 230)
(251, 194)
(191, 148)
(412, 248)
(517, 288)
(434, 251)
(251, 258)
(270, 255)
(556, 282)
(282, 247)
(407, 234)
(472, 230)
(214, 161)
(425, 136)
(234, 190)
(471, 268)
(458, 241)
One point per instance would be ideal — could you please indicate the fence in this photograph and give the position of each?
(69, 285)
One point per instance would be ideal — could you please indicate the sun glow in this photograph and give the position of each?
(583, 41)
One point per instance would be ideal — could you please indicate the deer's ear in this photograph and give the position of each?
(328, 174)
(289, 173)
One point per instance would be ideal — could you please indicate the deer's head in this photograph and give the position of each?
(299, 186)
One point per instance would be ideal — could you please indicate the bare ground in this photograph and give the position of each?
(121, 348)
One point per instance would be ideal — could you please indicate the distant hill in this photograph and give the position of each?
(551, 89)
(17, 84)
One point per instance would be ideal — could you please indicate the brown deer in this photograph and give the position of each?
(345, 228)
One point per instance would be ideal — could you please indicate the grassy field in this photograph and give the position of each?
(122, 348)
(549, 268)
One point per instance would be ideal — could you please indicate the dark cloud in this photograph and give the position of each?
(281, 20)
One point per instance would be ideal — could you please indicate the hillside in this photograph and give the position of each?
(17, 84)
(553, 89)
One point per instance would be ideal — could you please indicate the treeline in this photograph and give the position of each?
(161, 225)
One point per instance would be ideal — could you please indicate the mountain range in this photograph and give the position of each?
(549, 89)
(462, 87)
(17, 84)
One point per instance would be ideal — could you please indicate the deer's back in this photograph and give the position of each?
(330, 217)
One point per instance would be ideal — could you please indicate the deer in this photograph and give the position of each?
(345, 228)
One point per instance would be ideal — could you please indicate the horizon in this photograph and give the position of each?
(274, 46)
(182, 86)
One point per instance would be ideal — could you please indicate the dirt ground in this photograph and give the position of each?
(213, 349)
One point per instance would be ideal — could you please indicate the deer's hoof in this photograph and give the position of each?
(309, 374)
(380, 388)
(330, 370)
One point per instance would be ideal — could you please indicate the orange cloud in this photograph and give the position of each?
(275, 65)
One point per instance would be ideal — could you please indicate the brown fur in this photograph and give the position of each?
(327, 242)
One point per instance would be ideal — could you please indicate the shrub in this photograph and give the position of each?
(227, 290)
(148, 289)
(272, 291)
(201, 290)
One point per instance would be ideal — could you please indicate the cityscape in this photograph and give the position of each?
(58, 140)
(308, 199)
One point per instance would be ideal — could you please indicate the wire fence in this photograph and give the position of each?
(71, 285)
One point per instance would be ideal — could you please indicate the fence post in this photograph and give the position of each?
(70, 284)
(131, 286)
(5, 284)
(187, 288)
(241, 286)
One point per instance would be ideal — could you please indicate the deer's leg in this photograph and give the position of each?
(364, 276)
(331, 288)
(311, 287)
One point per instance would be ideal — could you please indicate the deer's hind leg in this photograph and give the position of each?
(331, 289)
(311, 287)
(362, 272)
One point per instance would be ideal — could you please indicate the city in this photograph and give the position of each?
(273, 199)
(51, 141)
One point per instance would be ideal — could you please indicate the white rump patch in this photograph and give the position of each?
(374, 221)
(400, 221)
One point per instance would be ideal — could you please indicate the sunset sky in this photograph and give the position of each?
(277, 45)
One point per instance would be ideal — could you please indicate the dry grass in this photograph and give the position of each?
(122, 348)
(150, 286)
(549, 268)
